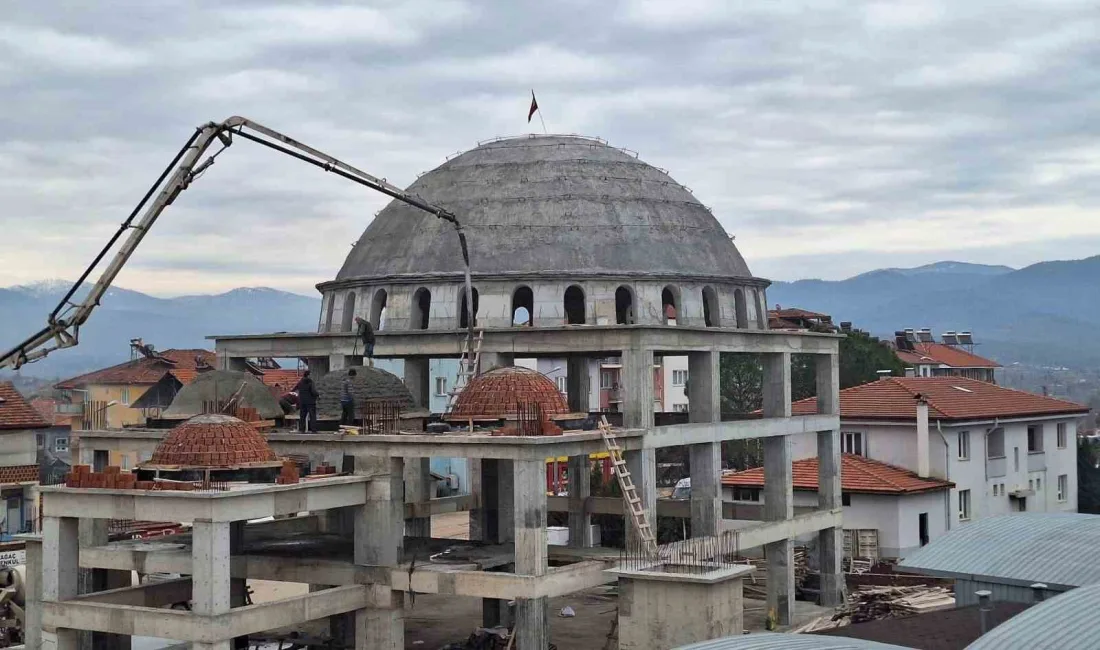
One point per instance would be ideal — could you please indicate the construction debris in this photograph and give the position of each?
(874, 603)
(756, 583)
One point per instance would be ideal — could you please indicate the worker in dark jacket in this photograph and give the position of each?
(307, 403)
(347, 400)
(366, 334)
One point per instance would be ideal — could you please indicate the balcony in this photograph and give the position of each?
(996, 467)
(70, 409)
(1036, 461)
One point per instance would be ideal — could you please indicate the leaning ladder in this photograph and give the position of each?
(467, 367)
(630, 492)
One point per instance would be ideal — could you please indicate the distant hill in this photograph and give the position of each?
(1044, 314)
(182, 322)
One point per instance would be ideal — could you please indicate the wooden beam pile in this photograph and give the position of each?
(874, 603)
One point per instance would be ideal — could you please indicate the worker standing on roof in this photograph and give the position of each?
(347, 400)
(366, 334)
(307, 403)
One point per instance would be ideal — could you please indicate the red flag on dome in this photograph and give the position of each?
(534, 107)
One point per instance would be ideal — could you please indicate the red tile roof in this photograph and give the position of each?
(287, 378)
(16, 412)
(949, 398)
(857, 474)
(947, 355)
(146, 370)
(18, 474)
(47, 408)
(795, 312)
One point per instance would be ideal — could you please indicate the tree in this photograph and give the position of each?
(1088, 477)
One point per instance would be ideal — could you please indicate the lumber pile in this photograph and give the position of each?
(756, 584)
(874, 603)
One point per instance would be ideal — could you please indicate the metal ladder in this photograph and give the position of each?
(626, 483)
(467, 367)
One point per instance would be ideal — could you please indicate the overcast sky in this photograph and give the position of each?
(830, 138)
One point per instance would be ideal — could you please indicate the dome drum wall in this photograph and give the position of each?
(601, 305)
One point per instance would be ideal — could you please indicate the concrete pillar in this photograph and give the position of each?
(577, 384)
(529, 519)
(210, 556)
(642, 465)
(496, 525)
(706, 488)
(703, 389)
(580, 488)
(93, 532)
(490, 360)
(418, 488)
(418, 380)
(778, 486)
(637, 387)
(318, 366)
(379, 541)
(477, 512)
(32, 630)
(226, 362)
(830, 542)
(60, 574)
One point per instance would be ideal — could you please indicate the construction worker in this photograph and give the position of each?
(347, 400)
(307, 403)
(366, 334)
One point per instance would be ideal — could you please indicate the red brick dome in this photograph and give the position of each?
(213, 440)
(497, 392)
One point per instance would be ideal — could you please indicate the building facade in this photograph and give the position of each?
(20, 427)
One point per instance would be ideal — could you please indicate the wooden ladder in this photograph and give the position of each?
(467, 367)
(630, 491)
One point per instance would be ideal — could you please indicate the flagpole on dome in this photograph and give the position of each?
(535, 109)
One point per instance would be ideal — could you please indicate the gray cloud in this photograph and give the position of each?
(827, 137)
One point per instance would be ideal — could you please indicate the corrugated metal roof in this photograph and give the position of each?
(773, 641)
(1065, 622)
(1055, 548)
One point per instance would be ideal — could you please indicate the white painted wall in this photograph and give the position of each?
(18, 448)
(673, 394)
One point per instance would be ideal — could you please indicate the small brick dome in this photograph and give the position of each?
(213, 440)
(496, 393)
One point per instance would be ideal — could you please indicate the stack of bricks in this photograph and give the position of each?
(289, 474)
(113, 478)
(496, 393)
(213, 440)
(548, 427)
(324, 469)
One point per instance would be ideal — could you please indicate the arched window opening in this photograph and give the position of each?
(523, 306)
(421, 308)
(378, 310)
(348, 317)
(624, 306)
(670, 306)
(740, 308)
(463, 310)
(331, 309)
(574, 306)
(710, 307)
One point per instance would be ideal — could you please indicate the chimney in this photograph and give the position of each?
(922, 436)
(1039, 592)
(984, 608)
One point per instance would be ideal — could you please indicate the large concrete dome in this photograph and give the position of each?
(544, 204)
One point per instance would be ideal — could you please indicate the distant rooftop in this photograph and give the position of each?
(16, 412)
(946, 355)
(183, 364)
(857, 475)
(1066, 622)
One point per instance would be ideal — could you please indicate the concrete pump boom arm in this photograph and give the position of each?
(63, 323)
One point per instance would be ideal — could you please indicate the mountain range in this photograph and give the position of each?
(1041, 315)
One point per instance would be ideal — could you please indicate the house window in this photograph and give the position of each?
(746, 494)
(964, 445)
(124, 396)
(995, 444)
(1038, 483)
(1061, 435)
(1034, 439)
(39, 440)
(560, 381)
(680, 408)
(845, 499)
(679, 377)
(440, 385)
(1063, 486)
(964, 505)
(61, 444)
(1031, 485)
(994, 489)
(124, 462)
(605, 380)
(853, 443)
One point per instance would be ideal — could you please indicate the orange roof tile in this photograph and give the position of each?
(949, 398)
(146, 370)
(47, 408)
(947, 355)
(857, 474)
(287, 378)
(16, 412)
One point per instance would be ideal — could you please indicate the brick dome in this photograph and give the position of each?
(496, 393)
(213, 440)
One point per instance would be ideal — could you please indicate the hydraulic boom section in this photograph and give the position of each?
(62, 328)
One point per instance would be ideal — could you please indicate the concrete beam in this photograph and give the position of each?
(675, 435)
(154, 594)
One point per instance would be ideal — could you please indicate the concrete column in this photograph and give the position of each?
(830, 542)
(706, 488)
(418, 488)
(529, 520)
(210, 555)
(577, 384)
(778, 486)
(317, 366)
(93, 532)
(496, 525)
(226, 362)
(337, 362)
(777, 385)
(490, 360)
(703, 389)
(379, 541)
(642, 466)
(580, 488)
(418, 380)
(637, 388)
(477, 511)
(60, 579)
(32, 630)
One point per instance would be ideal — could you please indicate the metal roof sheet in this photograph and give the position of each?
(1055, 548)
(1065, 622)
(774, 641)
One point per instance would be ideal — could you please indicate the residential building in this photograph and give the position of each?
(19, 423)
(54, 450)
(793, 318)
(1002, 450)
(954, 357)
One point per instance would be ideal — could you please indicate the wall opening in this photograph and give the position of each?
(331, 309)
(463, 310)
(378, 310)
(624, 306)
(761, 303)
(523, 306)
(710, 307)
(574, 305)
(740, 308)
(421, 309)
(670, 305)
(348, 316)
